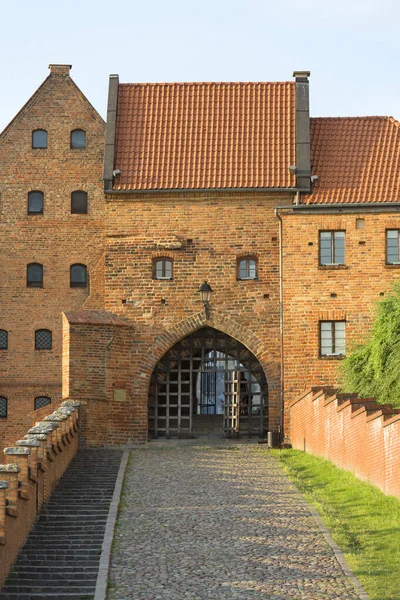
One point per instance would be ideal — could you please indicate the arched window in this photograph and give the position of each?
(78, 276)
(41, 401)
(79, 203)
(35, 203)
(3, 339)
(78, 138)
(162, 268)
(43, 339)
(247, 267)
(34, 275)
(39, 138)
(3, 407)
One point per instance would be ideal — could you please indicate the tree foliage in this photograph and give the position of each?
(373, 369)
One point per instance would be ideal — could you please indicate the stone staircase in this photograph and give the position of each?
(60, 558)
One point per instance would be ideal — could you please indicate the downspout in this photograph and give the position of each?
(282, 374)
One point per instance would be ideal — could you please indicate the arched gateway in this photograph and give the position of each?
(208, 382)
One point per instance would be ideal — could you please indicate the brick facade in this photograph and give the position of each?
(116, 329)
(56, 239)
(314, 293)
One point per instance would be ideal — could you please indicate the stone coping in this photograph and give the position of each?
(16, 450)
(30, 443)
(36, 436)
(10, 468)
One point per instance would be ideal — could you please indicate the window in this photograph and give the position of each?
(332, 338)
(331, 248)
(34, 275)
(41, 401)
(247, 268)
(3, 339)
(162, 268)
(79, 203)
(78, 138)
(39, 138)
(3, 407)
(35, 203)
(78, 276)
(43, 339)
(392, 246)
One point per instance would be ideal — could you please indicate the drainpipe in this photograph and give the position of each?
(282, 383)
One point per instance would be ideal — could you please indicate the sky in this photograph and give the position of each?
(351, 47)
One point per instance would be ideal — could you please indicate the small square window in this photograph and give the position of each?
(162, 268)
(34, 275)
(247, 268)
(41, 401)
(79, 203)
(3, 339)
(35, 203)
(332, 338)
(78, 139)
(39, 138)
(78, 276)
(331, 247)
(43, 339)
(3, 407)
(392, 247)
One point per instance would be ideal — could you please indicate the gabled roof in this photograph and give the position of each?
(357, 159)
(205, 136)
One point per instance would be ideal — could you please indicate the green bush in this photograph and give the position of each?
(372, 370)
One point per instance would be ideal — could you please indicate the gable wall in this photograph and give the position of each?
(55, 239)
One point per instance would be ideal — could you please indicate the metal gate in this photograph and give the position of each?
(208, 376)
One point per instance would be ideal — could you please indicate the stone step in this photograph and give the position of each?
(61, 556)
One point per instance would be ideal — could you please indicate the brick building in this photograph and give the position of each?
(292, 222)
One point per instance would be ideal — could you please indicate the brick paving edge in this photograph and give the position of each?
(104, 565)
(335, 548)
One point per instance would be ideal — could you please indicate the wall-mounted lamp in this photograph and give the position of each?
(205, 295)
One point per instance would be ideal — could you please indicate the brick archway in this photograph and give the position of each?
(188, 326)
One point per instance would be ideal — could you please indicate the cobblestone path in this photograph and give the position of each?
(218, 523)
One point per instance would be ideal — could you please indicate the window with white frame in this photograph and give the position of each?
(392, 247)
(332, 338)
(331, 247)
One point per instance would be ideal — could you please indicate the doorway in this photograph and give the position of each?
(208, 383)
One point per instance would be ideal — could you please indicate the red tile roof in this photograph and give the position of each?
(205, 135)
(357, 159)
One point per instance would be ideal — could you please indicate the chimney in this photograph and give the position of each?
(109, 151)
(60, 69)
(303, 161)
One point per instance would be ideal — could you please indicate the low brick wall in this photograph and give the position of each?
(31, 470)
(358, 435)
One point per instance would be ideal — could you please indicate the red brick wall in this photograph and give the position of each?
(357, 435)
(204, 234)
(55, 239)
(308, 287)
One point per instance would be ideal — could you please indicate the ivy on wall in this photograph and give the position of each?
(372, 370)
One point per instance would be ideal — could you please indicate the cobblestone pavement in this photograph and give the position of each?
(218, 523)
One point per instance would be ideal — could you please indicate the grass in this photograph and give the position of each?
(362, 520)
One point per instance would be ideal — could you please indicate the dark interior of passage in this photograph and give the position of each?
(208, 383)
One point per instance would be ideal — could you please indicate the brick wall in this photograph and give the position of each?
(309, 288)
(203, 234)
(33, 465)
(55, 238)
(358, 435)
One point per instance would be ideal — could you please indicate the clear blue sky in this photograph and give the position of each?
(351, 47)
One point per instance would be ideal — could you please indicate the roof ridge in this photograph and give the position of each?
(359, 117)
(189, 83)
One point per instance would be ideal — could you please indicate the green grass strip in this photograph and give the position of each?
(361, 519)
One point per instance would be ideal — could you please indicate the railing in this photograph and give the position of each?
(32, 468)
